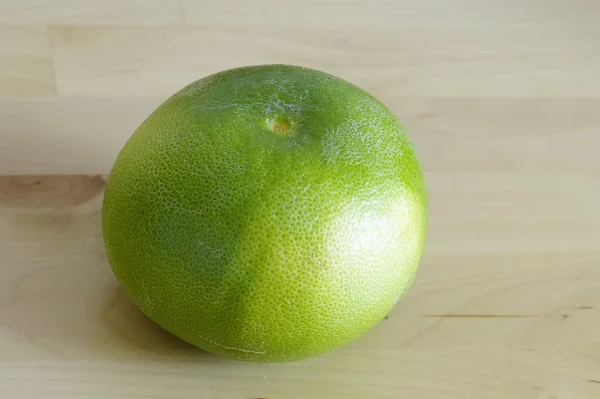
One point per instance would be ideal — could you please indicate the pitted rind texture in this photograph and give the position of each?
(262, 246)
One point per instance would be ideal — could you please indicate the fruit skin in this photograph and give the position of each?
(267, 213)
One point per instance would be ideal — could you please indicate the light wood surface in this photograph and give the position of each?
(502, 99)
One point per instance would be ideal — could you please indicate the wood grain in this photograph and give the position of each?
(501, 99)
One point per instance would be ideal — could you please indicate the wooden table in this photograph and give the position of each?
(502, 99)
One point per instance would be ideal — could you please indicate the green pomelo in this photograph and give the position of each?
(267, 213)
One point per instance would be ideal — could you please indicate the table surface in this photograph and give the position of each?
(502, 99)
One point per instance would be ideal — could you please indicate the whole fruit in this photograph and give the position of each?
(266, 213)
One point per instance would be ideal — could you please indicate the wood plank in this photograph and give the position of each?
(330, 15)
(429, 62)
(84, 135)
(92, 12)
(67, 136)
